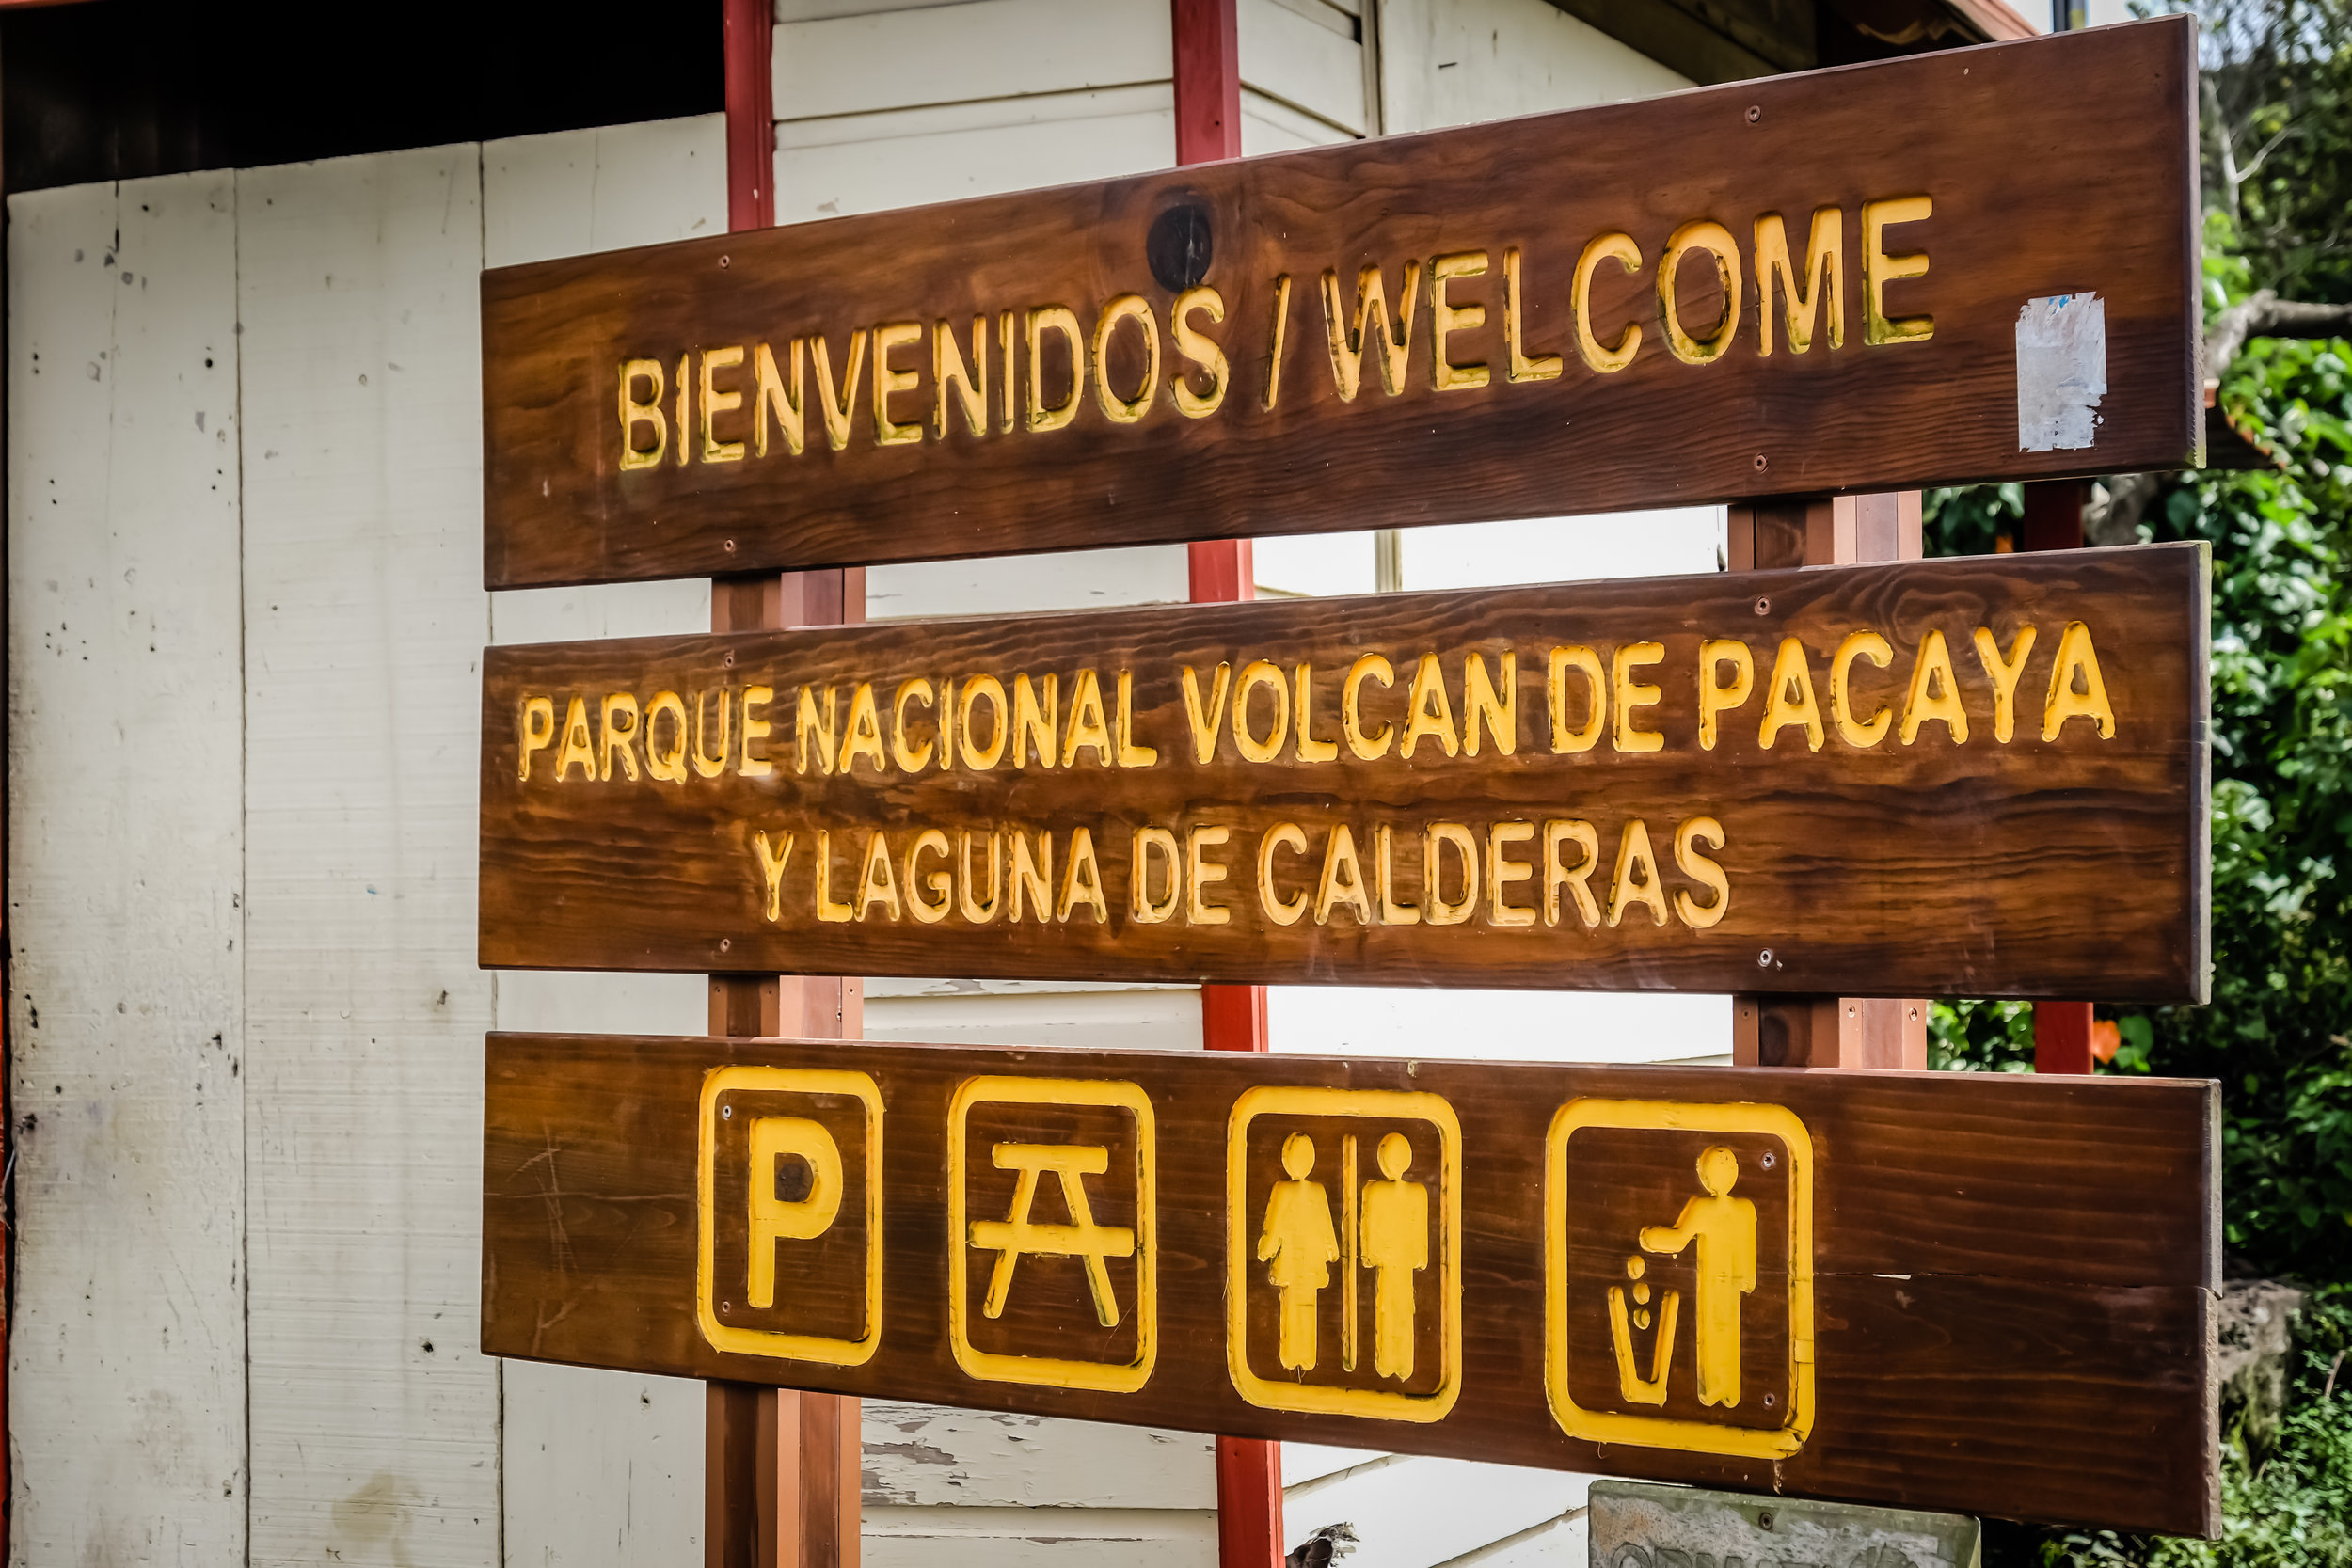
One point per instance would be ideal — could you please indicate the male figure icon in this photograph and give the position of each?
(1395, 1240)
(1725, 1228)
(1300, 1245)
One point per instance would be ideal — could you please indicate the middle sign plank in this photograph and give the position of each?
(1979, 777)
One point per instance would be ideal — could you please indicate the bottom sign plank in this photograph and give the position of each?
(1988, 1293)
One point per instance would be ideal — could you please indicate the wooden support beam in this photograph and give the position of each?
(1826, 1031)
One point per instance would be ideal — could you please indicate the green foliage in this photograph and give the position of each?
(2277, 125)
(2279, 1033)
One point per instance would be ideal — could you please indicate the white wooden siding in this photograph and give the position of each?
(125, 1028)
(374, 1416)
(600, 1467)
(1453, 62)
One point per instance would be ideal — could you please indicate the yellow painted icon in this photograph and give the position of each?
(768, 1219)
(1722, 1228)
(1017, 1235)
(1300, 1243)
(1381, 1225)
(1396, 1246)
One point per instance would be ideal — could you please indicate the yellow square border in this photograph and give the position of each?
(769, 1342)
(1663, 1432)
(1046, 1370)
(1319, 1399)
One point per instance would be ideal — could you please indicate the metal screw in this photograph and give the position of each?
(1764, 1520)
(726, 943)
(1756, 112)
(1760, 461)
(728, 662)
(1768, 1162)
(725, 260)
(1764, 960)
(725, 1307)
(1763, 607)
(727, 1113)
(731, 543)
(1768, 1402)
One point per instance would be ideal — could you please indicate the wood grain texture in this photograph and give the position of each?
(1976, 131)
(1980, 1301)
(1932, 868)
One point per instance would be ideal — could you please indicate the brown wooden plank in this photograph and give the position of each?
(2071, 867)
(1996, 140)
(2002, 1269)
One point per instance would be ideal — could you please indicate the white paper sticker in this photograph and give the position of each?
(2061, 372)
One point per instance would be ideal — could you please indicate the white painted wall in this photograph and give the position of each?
(126, 1028)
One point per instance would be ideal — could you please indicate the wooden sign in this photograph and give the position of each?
(1631, 1524)
(1975, 777)
(1911, 1289)
(1970, 264)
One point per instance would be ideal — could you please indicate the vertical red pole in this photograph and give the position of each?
(1207, 38)
(751, 115)
(2054, 521)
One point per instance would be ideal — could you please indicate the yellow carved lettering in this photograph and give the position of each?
(1155, 847)
(1501, 871)
(1199, 871)
(827, 910)
(1621, 249)
(1637, 876)
(862, 736)
(910, 759)
(534, 729)
(1282, 835)
(716, 403)
(889, 381)
(1496, 710)
(1523, 365)
(1576, 656)
(2004, 673)
(1035, 720)
(931, 912)
(1347, 342)
(1198, 349)
(1447, 318)
(1879, 269)
(774, 858)
(1117, 409)
(1628, 696)
(1368, 746)
(1081, 881)
(666, 763)
(785, 402)
(1858, 644)
(1130, 753)
(811, 725)
(1343, 881)
(1934, 692)
(1717, 696)
(977, 690)
(1061, 322)
(619, 737)
(1436, 906)
(1257, 675)
(579, 750)
(878, 884)
(647, 413)
(1089, 728)
(1204, 716)
(2077, 665)
(1430, 713)
(1558, 833)
(1714, 239)
(1393, 910)
(1825, 280)
(955, 385)
(837, 401)
(1694, 832)
(1792, 704)
(756, 729)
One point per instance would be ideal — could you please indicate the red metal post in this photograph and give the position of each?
(751, 115)
(2054, 521)
(1208, 80)
(1206, 35)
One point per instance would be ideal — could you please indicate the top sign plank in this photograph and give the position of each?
(1972, 264)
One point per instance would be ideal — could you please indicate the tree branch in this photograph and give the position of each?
(2263, 314)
